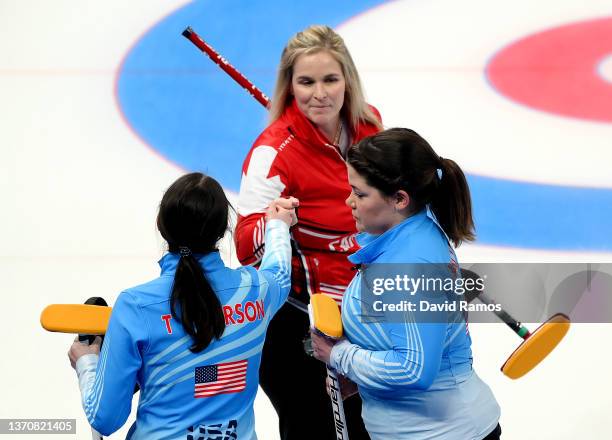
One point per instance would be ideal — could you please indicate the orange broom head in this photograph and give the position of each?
(326, 315)
(75, 318)
(536, 347)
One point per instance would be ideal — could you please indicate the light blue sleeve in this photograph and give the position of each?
(107, 386)
(413, 362)
(275, 266)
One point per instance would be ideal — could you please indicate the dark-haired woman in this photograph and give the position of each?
(414, 371)
(192, 338)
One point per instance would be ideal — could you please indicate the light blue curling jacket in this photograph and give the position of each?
(184, 395)
(415, 377)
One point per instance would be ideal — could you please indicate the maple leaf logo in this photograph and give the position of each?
(257, 190)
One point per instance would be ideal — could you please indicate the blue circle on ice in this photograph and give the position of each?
(192, 113)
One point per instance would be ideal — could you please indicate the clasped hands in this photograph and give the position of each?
(283, 208)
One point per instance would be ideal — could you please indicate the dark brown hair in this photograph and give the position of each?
(192, 218)
(400, 159)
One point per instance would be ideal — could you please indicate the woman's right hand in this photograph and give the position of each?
(283, 209)
(78, 349)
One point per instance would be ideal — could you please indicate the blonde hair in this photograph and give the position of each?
(311, 40)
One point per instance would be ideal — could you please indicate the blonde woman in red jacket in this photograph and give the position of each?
(318, 111)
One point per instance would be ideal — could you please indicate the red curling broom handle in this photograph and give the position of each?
(190, 34)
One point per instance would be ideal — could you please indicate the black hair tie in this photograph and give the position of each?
(184, 251)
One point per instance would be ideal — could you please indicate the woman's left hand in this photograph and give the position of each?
(283, 208)
(321, 346)
(78, 349)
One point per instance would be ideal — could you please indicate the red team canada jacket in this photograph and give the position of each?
(292, 158)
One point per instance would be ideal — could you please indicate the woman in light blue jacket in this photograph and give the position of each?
(413, 367)
(191, 338)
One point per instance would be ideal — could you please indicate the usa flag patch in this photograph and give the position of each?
(224, 378)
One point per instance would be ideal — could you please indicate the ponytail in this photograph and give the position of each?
(452, 204)
(399, 159)
(193, 217)
(200, 310)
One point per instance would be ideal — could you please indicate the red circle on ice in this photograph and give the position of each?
(558, 70)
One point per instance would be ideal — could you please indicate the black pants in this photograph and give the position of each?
(295, 383)
(495, 434)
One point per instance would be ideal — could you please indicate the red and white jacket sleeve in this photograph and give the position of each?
(263, 180)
